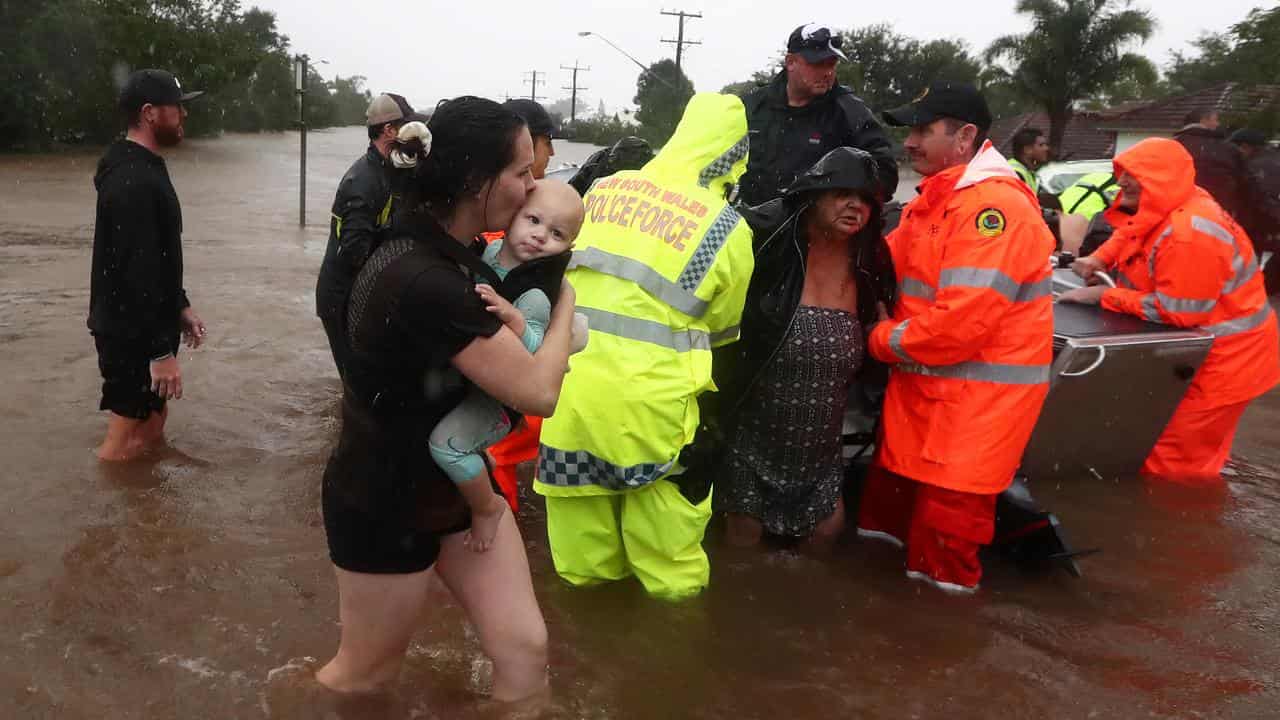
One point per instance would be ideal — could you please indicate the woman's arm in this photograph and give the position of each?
(500, 365)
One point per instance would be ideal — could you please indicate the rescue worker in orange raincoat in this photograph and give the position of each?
(970, 342)
(1181, 260)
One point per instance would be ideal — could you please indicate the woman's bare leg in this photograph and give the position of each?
(496, 591)
(379, 615)
(743, 531)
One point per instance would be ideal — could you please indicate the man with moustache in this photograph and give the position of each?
(803, 114)
(138, 308)
(969, 342)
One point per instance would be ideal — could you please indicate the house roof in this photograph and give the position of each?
(1083, 140)
(1169, 114)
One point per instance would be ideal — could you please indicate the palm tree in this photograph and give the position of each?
(1076, 49)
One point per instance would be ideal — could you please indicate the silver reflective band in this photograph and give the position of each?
(1183, 305)
(1209, 227)
(1151, 260)
(730, 333)
(895, 341)
(985, 372)
(626, 268)
(1149, 309)
(645, 331)
(1239, 325)
(912, 287)
(1123, 280)
(993, 279)
(1241, 276)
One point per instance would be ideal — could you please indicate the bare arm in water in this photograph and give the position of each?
(502, 367)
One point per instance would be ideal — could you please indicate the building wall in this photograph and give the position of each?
(1126, 140)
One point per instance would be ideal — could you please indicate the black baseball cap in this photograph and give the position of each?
(153, 87)
(959, 101)
(533, 114)
(815, 43)
(1249, 136)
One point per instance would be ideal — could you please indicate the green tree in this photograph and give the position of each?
(1247, 53)
(662, 91)
(1075, 50)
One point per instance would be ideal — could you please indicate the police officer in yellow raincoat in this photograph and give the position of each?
(661, 270)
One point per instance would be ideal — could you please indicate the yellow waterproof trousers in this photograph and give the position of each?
(654, 533)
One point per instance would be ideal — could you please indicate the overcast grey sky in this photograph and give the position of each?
(429, 50)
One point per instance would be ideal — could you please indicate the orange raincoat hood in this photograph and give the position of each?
(1168, 177)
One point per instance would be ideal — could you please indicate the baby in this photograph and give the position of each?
(533, 255)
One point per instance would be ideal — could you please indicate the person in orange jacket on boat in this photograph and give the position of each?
(1180, 259)
(970, 342)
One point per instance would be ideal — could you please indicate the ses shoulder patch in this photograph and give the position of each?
(990, 223)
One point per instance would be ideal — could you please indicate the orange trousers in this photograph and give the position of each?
(1195, 444)
(942, 529)
(520, 446)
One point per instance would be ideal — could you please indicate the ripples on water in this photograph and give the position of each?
(173, 587)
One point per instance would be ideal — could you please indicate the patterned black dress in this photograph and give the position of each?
(785, 465)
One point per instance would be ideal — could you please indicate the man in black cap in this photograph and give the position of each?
(361, 206)
(969, 342)
(138, 308)
(1262, 218)
(541, 128)
(803, 114)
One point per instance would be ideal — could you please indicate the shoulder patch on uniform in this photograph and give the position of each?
(990, 223)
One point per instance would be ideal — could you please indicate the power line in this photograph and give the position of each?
(680, 42)
(532, 81)
(573, 98)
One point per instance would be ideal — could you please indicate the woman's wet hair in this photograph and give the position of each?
(472, 140)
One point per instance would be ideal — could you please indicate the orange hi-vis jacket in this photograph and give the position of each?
(1182, 260)
(971, 338)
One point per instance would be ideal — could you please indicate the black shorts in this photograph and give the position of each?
(126, 377)
(379, 544)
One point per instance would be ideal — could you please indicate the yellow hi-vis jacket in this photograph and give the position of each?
(660, 269)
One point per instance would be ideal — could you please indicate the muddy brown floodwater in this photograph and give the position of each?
(171, 588)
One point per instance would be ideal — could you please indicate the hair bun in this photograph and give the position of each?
(413, 142)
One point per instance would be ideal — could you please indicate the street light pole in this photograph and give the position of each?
(643, 68)
(301, 63)
(300, 85)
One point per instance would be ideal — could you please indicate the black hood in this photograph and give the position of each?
(121, 153)
(844, 168)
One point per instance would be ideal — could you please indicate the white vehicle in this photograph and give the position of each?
(1058, 176)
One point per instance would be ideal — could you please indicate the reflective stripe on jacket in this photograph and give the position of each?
(971, 336)
(660, 269)
(1090, 194)
(1181, 260)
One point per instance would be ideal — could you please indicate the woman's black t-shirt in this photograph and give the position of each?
(412, 309)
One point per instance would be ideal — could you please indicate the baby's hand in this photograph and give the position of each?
(499, 306)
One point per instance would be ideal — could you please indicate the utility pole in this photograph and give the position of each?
(573, 88)
(680, 42)
(533, 84)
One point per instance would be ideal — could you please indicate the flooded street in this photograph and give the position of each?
(171, 588)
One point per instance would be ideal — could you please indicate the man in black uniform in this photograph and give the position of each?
(137, 305)
(803, 114)
(1262, 219)
(361, 207)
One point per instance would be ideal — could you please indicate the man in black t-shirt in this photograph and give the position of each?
(137, 305)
